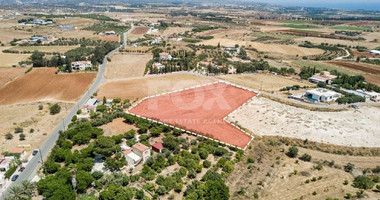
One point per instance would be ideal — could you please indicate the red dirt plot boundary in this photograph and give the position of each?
(200, 111)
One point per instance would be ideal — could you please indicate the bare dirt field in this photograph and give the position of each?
(146, 86)
(9, 59)
(264, 82)
(273, 48)
(8, 34)
(9, 74)
(374, 79)
(173, 30)
(367, 54)
(112, 39)
(28, 116)
(139, 30)
(200, 110)
(116, 127)
(44, 84)
(126, 65)
(48, 49)
(348, 128)
(273, 175)
(361, 67)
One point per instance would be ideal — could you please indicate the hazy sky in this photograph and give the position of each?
(345, 4)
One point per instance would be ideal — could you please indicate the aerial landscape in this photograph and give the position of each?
(178, 99)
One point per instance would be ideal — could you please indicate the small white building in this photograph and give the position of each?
(165, 56)
(142, 151)
(374, 96)
(81, 65)
(158, 65)
(5, 162)
(322, 95)
(158, 40)
(376, 52)
(231, 69)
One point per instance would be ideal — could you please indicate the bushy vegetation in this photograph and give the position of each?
(89, 16)
(54, 109)
(103, 27)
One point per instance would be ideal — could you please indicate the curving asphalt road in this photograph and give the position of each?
(35, 162)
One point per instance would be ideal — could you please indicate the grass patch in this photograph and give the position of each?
(275, 36)
(351, 28)
(377, 48)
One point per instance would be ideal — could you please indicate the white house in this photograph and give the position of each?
(5, 162)
(376, 52)
(231, 69)
(158, 65)
(165, 56)
(374, 96)
(158, 40)
(141, 150)
(81, 65)
(231, 50)
(322, 95)
(357, 93)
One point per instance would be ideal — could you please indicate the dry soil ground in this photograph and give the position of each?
(126, 65)
(264, 82)
(9, 59)
(292, 50)
(9, 74)
(149, 85)
(58, 49)
(348, 128)
(116, 127)
(272, 174)
(28, 116)
(44, 84)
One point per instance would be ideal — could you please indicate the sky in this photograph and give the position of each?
(342, 4)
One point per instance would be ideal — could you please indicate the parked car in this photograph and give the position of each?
(355, 106)
(35, 152)
(21, 169)
(15, 177)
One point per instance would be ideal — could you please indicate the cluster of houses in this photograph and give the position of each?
(203, 67)
(37, 22)
(326, 95)
(6, 162)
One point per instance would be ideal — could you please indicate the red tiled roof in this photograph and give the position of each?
(127, 151)
(140, 147)
(164, 54)
(158, 145)
(17, 150)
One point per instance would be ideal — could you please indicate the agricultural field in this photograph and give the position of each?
(9, 74)
(324, 66)
(351, 28)
(348, 128)
(42, 84)
(263, 82)
(191, 110)
(47, 49)
(142, 87)
(10, 59)
(292, 50)
(125, 65)
(372, 69)
(36, 124)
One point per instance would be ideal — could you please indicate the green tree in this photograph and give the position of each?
(54, 109)
(306, 157)
(216, 190)
(363, 182)
(292, 152)
(84, 180)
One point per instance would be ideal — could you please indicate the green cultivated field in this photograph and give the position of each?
(351, 28)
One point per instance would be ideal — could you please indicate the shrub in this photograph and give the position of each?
(19, 130)
(363, 182)
(250, 160)
(22, 136)
(40, 107)
(345, 182)
(314, 193)
(31, 130)
(256, 195)
(54, 109)
(292, 152)
(8, 136)
(349, 167)
(206, 164)
(74, 118)
(305, 157)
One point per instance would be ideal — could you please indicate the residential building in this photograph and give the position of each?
(157, 147)
(158, 65)
(324, 77)
(81, 65)
(165, 56)
(376, 52)
(231, 50)
(142, 151)
(5, 162)
(158, 40)
(374, 96)
(131, 158)
(322, 95)
(19, 151)
(231, 69)
(357, 93)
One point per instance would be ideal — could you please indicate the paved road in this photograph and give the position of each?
(35, 163)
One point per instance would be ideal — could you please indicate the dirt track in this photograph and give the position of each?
(43, 84)
(200, 110)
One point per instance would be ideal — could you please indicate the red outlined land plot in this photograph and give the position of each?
(200, 110)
